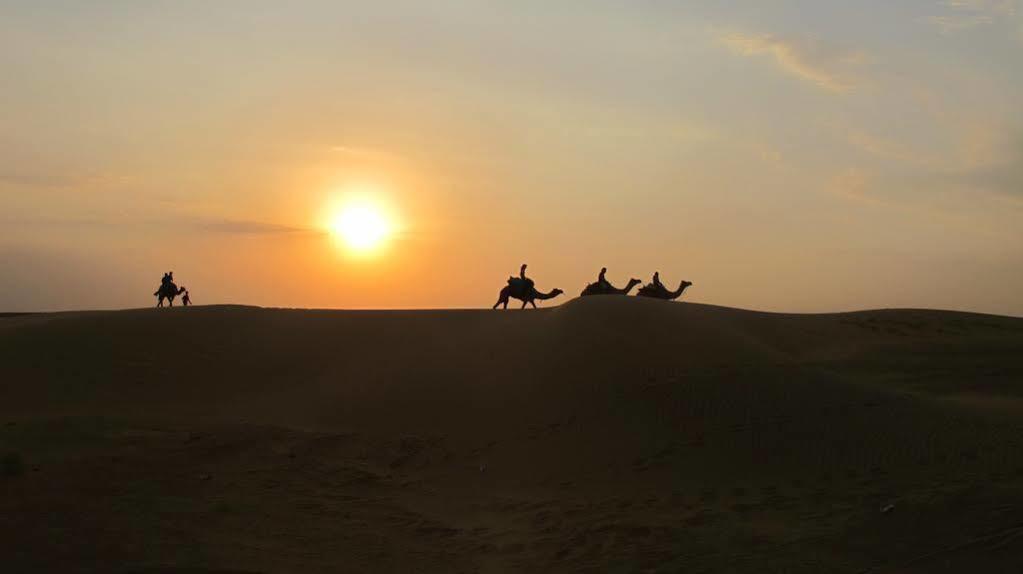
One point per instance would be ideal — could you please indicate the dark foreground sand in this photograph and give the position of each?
(606, 435)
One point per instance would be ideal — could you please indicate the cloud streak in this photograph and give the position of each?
(245, 227)
(998, 169)
(31, 180)
(962, 15)
(825, 67)
(225, 226)
(985, 159)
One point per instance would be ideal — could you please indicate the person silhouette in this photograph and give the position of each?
(657, 281)
(187, 299)
(521, 283)
(164, 282)
(600, 278)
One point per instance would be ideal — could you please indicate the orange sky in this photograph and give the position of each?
(871, 159)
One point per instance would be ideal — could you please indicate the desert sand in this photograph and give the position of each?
(604, 435)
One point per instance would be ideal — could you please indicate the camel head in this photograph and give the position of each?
(633, 282)
(556, 292)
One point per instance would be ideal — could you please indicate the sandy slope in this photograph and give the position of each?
(605, 435)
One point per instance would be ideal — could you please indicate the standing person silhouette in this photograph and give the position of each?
(187, 299)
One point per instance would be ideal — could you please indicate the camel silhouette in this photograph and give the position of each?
(523, 290)
(597, 288)
(661, 292)
(168, 291)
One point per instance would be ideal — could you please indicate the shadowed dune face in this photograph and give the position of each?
(607, 433)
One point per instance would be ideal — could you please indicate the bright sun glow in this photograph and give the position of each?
(362, 227)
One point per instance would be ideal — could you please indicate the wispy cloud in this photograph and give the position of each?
(853, 184)
(22, 179)
(211, 225)
(960, 15)
(244, 227)
(36, 221)
(1005, 178)
(951, 23)
(885, 148)
(985, 157)
(825, 66)
(992, 164)
(59, 179)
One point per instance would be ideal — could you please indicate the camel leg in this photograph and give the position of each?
(524, 303)
(533, 303)
(502, 298)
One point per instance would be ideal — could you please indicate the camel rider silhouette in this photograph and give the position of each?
(657, 282)
(168, 279)
(601, 280)
(521, 282)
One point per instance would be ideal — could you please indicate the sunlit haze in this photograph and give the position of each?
(361, 227)
(785, 156)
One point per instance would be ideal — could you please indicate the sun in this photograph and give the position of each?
(362, 227)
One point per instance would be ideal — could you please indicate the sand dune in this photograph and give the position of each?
(604, 435)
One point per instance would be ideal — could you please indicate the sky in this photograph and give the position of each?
(797, 156)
